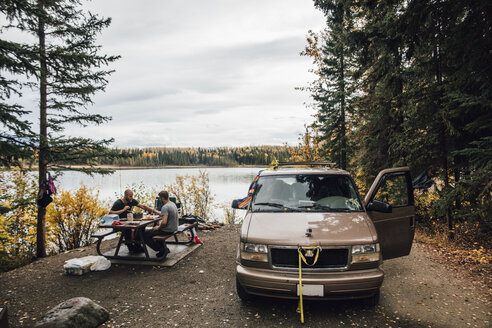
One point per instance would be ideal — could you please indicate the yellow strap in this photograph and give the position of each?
(300, 308)
(315, 258)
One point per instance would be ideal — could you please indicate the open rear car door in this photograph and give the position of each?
(390, 205)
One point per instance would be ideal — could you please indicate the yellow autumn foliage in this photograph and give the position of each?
(309, 148)
(194, 194)
(18, 224)
(72, 218)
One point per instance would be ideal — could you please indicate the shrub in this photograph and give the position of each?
(194, 194)
(72, 218)
(18, 218)
(230, 214)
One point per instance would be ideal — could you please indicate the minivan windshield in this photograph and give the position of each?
(321, 193)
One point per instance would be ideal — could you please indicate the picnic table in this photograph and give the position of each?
(138, 228)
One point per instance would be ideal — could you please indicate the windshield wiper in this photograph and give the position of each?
(346, 210)
(324, 207)
(277, 205)
(317, 206)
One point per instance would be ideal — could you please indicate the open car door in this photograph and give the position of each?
(390, 205)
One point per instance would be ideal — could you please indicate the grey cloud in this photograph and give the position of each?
(221, 69)
(137, 96)
(273, 50)
(207, 73)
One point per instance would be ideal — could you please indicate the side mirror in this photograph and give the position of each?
(379, 206)
(235, 204)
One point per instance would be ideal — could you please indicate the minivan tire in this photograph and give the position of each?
(242, 293)
(373, 300)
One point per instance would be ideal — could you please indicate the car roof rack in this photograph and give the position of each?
(308, 163)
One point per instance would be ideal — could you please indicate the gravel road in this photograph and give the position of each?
(199, 291)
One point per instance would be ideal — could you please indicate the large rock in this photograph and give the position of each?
(79, 312)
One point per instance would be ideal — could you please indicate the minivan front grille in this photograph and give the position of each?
(329, 258)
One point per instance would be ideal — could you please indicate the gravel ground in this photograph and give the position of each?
(199, 291)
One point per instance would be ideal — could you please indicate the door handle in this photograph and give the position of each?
(412, 221)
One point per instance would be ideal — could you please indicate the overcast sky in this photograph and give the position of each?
(205, 72)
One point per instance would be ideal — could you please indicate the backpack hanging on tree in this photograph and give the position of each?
(46, 189)
(51, 185)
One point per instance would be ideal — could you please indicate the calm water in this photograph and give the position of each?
(226, 183)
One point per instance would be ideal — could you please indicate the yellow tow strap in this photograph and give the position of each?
(300, 308)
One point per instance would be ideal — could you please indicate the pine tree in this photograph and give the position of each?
(16, 141)
(451, 95)
(65, 64)
(424, 95)
(334, 91)
(380, 82)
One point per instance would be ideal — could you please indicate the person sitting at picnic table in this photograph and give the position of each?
(122, 207)
(169, 225)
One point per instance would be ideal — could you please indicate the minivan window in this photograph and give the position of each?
(393, 191)
(321, 193)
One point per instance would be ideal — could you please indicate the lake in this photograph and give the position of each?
(225, 183)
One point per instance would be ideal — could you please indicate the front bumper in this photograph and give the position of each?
(336, 285)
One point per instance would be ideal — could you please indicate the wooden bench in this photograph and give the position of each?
(181, 230)
(100, 236)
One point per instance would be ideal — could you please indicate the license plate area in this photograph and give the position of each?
(311, 290)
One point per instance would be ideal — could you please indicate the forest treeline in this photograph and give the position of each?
(408, 82)
(218, 156)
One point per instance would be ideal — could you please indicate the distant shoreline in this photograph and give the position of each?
(116, 168)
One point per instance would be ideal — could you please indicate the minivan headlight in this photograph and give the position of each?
(365, 253)
(254, 252)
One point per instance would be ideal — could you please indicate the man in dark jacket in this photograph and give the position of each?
(124, 205)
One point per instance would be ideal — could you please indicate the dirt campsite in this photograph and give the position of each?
(420, 290)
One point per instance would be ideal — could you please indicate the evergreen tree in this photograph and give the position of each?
(450, 92)
(15, 135)
(65, 64)
(380, 81)
(334, 91)
(426, 102)
(424, 94)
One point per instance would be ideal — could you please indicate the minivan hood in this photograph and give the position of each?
(280, 228)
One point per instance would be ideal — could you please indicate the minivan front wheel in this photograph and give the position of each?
(241, 292)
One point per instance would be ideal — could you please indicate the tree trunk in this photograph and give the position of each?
(457, 177)
(343, 150)
(449, 214)
(443, 133)
(445, 167)
(43, 144)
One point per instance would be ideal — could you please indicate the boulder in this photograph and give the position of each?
(79, 312)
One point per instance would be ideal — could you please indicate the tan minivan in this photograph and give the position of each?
(315, 210)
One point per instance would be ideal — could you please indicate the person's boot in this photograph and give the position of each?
(163, 253)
